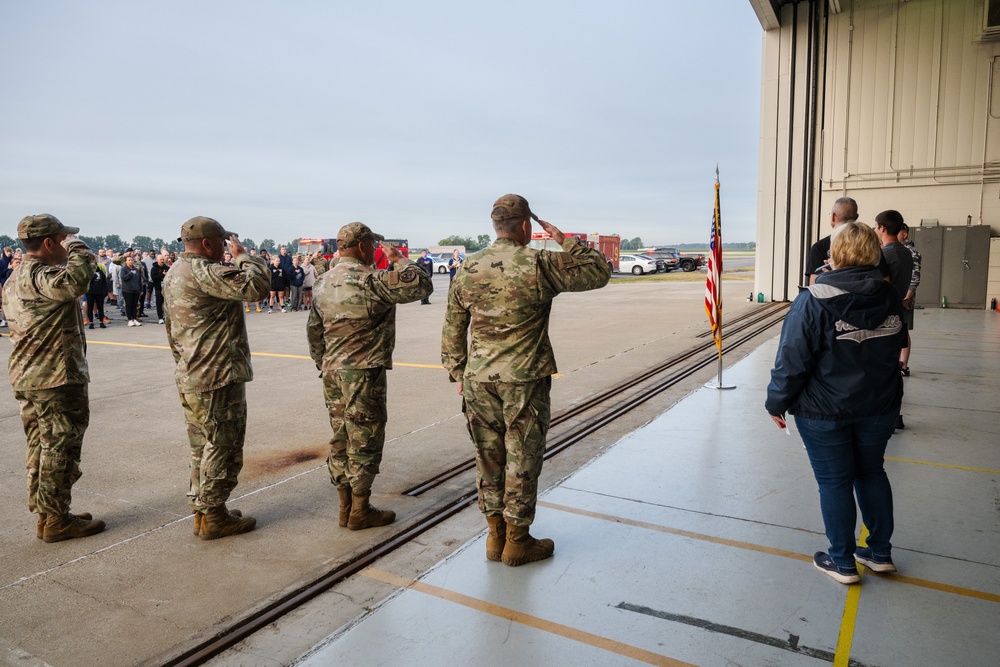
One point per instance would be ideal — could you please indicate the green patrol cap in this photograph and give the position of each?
(203, 228)
(354, 233)
(511, 207)
(43, 224)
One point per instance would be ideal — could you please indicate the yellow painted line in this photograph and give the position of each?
(108, 342)
(747, 546)
(759, 548)
(842, 656)
(558, 629)
(943, 465)
(265, 354)
(254, 354)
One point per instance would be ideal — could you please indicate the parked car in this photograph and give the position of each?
(440, 264)
(692, 262)
(637, 264)
(675, 260)
(671, 260)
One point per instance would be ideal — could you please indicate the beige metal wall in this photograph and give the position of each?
(908, 117)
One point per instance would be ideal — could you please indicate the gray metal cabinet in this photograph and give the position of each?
(955, 261)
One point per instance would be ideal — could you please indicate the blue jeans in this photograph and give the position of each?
(845, 454)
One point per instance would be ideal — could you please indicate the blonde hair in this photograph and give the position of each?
(854, 244)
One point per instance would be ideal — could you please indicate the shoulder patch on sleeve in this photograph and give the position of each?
(408, 275)
(393, 278)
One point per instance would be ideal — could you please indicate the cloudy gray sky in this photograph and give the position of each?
(290, 119)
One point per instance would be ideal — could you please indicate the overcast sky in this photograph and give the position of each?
(290, 119)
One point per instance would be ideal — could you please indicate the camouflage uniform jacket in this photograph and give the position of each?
(46, 324)
(352, 323)
(505, 294)
(204, 319)
(321, 265)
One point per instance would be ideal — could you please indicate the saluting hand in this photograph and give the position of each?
(235, 247)
(392, 253)
(552, 230)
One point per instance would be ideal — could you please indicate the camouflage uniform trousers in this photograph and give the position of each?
(508, 422)
(216, 426)
(54, 423)
(356, 399)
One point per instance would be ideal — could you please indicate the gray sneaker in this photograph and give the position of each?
(825, 564)
(873, 561)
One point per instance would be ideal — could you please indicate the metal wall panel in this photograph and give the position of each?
(929, 241)
(909, 119)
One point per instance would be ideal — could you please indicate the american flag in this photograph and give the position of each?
(713, 286)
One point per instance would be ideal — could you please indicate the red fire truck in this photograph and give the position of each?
(609, 244)
(329, 246)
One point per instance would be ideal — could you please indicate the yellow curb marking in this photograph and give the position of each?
(263, 354)
(749, 546)
(943, 465)
(542, 624)
(842, 657)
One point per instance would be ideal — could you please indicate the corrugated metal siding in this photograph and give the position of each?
(907, 103)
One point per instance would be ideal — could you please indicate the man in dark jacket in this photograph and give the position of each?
(156, 275)
(427, 264)
(899, 259)
(96, 294)
(285, 262)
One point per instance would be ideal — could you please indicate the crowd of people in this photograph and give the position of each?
(131, 281)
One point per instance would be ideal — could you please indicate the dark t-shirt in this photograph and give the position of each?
(277, 278)
(820, 252)
(900, 261)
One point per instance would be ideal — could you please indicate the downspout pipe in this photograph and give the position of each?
(791, 138)
(809, 186)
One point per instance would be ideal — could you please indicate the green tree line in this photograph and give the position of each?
(117, 243)
(471, 244)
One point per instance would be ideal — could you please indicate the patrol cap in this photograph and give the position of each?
(354, 233)
(43, 224)
(203, 228)
(511, 207)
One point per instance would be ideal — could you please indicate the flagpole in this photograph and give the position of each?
(713, 284)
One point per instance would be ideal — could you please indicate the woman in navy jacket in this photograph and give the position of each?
(837, 371)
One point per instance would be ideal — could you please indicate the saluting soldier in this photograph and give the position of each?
(207, 334)
(48, 368)
(504, 295)
(352, 332)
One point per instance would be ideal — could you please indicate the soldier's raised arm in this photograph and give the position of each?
(319, 263)
(578, 269)
(404, 284)
(73, 280)
(247, 280)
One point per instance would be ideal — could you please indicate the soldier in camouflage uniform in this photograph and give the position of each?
(207, 334)
(503, 294)
(352, 332)
(48, 368)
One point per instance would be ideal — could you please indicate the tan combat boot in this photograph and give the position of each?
(522, 548)
(364, 515)
(496, 538)
(40, 529)
(344, 492)
(199, 517)
(68, 527)
(220, 522)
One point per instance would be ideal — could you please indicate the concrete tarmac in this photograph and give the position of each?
(146, 588)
